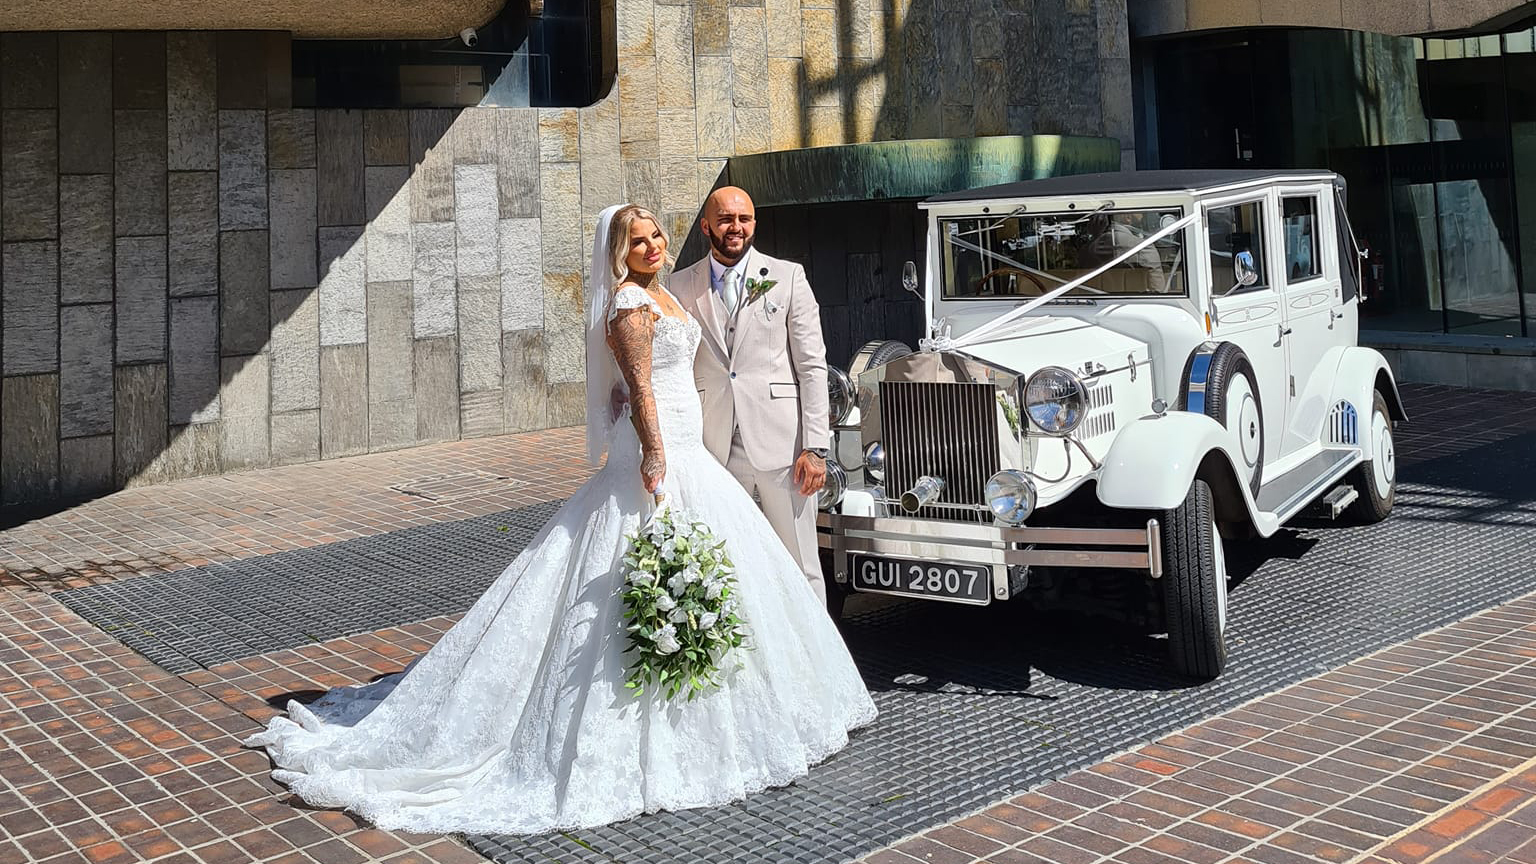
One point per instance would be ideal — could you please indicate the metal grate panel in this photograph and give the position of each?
(1101, 416)
(1343, 424)
(946, 430)
(974, 708)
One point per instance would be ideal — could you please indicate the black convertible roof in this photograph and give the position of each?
(1189, 180)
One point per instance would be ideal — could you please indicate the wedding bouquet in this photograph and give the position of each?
(679, 605)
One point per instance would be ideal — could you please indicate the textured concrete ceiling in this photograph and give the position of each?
(1395, 17)
(340, 19)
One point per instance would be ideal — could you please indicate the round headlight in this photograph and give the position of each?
(1055, 400)
(831, 493)
(839, 394)
(1011, 496)
(874, 460)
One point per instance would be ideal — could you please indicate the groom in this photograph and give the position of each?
(761, 371)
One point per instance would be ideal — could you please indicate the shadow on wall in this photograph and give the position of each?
(853, 254)
(930, 70)
(398, 296)
(228, 283)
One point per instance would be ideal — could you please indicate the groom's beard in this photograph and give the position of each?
(718, 245)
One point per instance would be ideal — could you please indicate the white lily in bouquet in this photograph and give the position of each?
(679, 605)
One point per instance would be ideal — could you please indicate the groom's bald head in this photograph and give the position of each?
(730, 223)
(729, 198)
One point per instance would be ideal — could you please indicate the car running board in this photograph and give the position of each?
(1298, 487)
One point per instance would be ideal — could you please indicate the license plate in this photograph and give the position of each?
(967, 583)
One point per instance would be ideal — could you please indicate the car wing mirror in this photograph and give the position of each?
(909, 278)
(1243, 269)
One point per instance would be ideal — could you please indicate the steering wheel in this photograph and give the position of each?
(1011, 271)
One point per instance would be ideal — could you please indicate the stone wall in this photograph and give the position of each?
(198, 278)
(1393, 17)
(334, 19)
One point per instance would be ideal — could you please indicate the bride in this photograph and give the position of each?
(517, 720)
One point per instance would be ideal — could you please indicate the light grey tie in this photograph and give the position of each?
(730, 290)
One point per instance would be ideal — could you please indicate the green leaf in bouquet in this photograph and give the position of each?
(683, 562)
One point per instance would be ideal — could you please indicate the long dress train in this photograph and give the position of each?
(517, 720)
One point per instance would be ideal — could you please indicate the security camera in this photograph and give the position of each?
(469, 36)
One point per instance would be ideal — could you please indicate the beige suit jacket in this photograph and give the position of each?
(768, 379)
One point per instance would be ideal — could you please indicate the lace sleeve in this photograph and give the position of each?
(631, 297)
(629, 337)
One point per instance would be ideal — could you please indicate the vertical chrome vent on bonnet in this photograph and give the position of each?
(948, 430)
(1101, 416)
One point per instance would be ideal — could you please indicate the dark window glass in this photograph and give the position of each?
(1520, 57)
(1433, 135)
(1236, 235)
(1299, 221)
(553, 60)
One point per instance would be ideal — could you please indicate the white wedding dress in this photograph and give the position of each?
(518, 721)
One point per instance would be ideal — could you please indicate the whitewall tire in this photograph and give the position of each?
(1375, 480)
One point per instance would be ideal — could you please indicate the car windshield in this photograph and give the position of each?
(1025, 255)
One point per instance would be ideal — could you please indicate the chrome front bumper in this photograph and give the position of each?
(996, 546)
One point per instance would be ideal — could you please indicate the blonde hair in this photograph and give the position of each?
(618, 238)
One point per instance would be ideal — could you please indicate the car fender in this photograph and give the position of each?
(1360, 373)
(1154, 459)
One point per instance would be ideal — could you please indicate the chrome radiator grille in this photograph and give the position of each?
(946, 430)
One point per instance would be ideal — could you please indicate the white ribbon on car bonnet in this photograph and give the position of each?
(1002, 328)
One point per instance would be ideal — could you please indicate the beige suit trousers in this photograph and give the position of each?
(792, 515)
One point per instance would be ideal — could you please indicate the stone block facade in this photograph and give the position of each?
(196, 277)
(1394, 17)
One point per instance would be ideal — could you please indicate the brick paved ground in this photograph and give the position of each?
(151, 529)
(109, 759)
(1426, 751)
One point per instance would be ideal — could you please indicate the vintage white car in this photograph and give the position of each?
(1121, 369)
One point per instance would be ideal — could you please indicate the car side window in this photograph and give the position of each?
(1236, 234)
(1298, 218)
